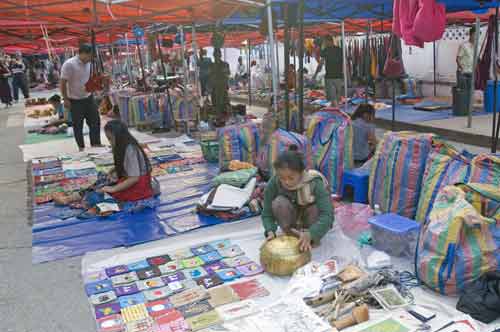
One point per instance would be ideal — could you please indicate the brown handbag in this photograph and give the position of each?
(393, 67)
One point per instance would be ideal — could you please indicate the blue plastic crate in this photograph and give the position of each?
(394, 234)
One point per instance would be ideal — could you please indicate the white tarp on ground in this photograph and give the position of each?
(249, 236)
(69, 147)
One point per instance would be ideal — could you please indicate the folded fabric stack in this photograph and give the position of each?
(238, 142)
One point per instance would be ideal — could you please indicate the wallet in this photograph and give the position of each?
(150, 283)
(201, 250)
(102, 298)
(148, 273)
(228, 274)
(195, 273)
(159, 260)
(98, 287)
(126, 290)
(211, 257)
(231, 251)
(130, 300)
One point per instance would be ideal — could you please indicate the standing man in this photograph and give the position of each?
(241, 73)
(219, 76)
(465, 59)
(204, 63)
(331, 58)
(75, 73)
(18, 70)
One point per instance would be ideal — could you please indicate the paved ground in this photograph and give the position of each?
(36, 298)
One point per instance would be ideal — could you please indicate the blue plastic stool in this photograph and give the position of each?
(357, 179)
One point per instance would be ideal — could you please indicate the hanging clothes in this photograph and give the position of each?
(484, 64)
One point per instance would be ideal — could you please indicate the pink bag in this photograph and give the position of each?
(353, 218)
(418, 21)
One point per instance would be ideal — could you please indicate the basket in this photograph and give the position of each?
(210, 151)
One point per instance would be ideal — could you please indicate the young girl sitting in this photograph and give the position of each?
(298, 200)
(132, 166)
(364, 140)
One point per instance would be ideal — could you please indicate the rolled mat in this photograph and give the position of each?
(397, 171)
(330, 133)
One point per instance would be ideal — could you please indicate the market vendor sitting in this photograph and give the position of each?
(132, 167)
(298, 200)
(364, 139)
(63, 115)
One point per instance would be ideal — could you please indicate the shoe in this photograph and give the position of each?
(81, 149)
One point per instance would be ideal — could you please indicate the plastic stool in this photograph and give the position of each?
(358, 179)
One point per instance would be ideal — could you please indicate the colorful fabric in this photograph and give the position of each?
(184, 109)
(331, 136)
(459, 242)
(397, 171)
(238, 142)
(445, 166)
(486, 169)
(280, 141)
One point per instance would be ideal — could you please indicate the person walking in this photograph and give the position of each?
(18, 70)
(331, 58)
(75, 73)
(5, 95)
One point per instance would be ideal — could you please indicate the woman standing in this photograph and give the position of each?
(5, 95)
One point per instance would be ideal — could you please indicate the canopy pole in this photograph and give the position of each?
(273, 55)
(113, 60)
(195, 57)
(277, 59)
(494, 133)
(434, 66)
(367, 62)
(286, 54)
(249, 73)
(165, 126)
(183, 56)
(473, 85)
(141, 63)
(129, 72)
(300, 14)
(344, 64)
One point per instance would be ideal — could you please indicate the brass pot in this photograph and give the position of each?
(282, 256)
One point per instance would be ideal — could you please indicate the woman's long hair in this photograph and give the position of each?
(362, 109)
(123, 139)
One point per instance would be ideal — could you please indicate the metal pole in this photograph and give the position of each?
(286, 54)
(165, 77)
(476, 56)
(195, 55)
(278, 60)
(183, 54)
(249, 73)
(129, 72)
(273, 55)
(344, 63)
(393, 122)
(141, 62)
(434, 66)
(367, 57)
(300, 14)
(494, 135)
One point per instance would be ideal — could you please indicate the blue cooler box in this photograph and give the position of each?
(394, 234)
(488, 97)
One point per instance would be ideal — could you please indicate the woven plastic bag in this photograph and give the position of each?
(280, 141)
(238, 142)
(460, 241)
(331, 135)
(397, 171)
(236, 178)
(445, 166)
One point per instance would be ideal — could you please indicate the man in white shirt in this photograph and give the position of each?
(75, 73)
(465, 61)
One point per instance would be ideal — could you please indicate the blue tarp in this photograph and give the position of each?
(55, 239)
(317, 11)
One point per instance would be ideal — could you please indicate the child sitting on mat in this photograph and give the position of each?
(63, 115)
(298, 200)
(132, 167)
(364, 140)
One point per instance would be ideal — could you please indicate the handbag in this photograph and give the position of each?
(393, 67)
(98, 81)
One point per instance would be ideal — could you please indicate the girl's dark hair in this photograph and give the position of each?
(362, 109)
(55, 99)
(291, 159)
(123, 139)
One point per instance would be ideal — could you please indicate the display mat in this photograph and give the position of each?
(249, 237)
(55, 239)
